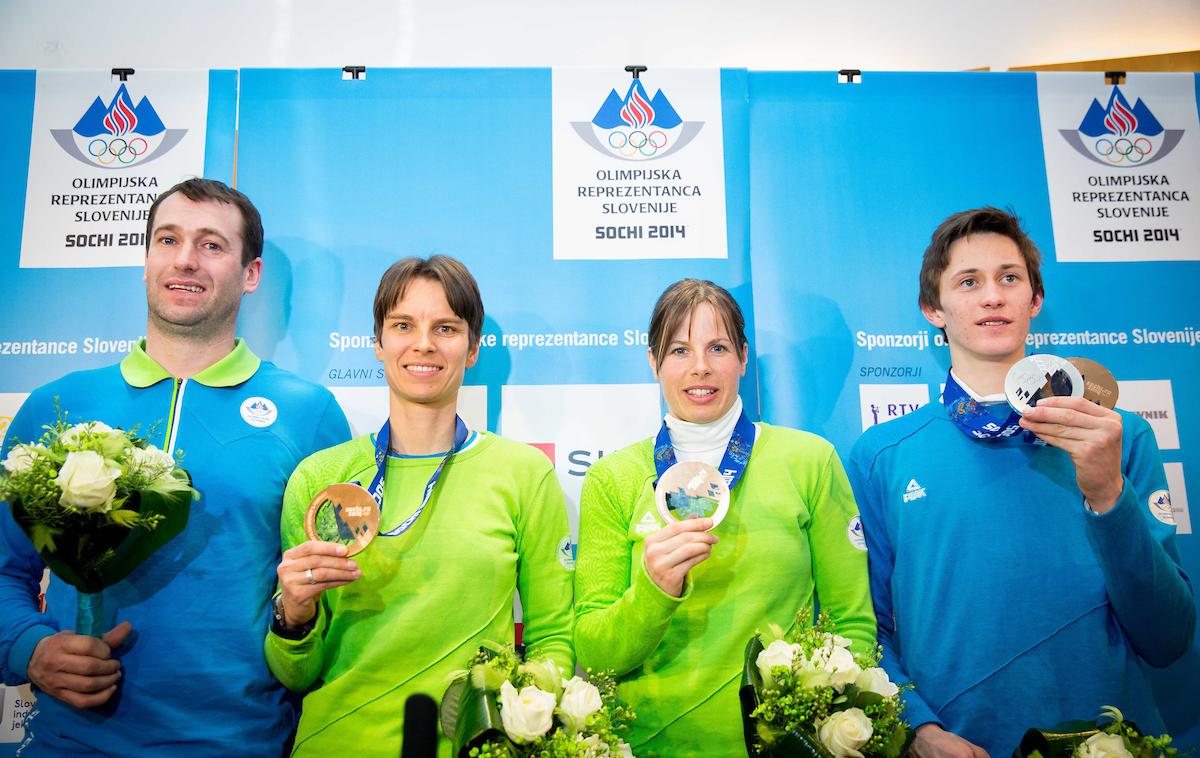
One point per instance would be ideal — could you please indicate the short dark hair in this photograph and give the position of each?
(462, 292)
(200, 190)
(963, 224)
(676, 304)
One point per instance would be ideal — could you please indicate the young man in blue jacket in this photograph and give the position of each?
(1020, 566)
(183, 671)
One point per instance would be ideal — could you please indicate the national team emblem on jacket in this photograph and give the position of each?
(118, 135)
(1120, 135)
(1160, 507)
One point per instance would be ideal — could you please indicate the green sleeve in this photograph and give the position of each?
(542, 579)
(618, 623)
(297, 663)
(839, 568)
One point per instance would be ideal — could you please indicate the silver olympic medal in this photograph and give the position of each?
(692, 489)
(1037, 376)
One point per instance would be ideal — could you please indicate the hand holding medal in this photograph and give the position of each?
(1067, 403)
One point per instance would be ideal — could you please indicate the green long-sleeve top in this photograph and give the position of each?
(496, 524)
(792, 531)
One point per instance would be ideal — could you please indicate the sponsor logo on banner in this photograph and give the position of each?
(367, 407)
(576, 424)
(1178, 500)
(15, 704)
(638, 175)
(100, 153)
(1153, 400)
(884, 402)
(1122, 164)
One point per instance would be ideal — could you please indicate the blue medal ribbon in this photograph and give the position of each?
(974, 420)
(382, 443)
(733, 462)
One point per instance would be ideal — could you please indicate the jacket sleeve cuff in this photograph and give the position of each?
(650, 595)
(22, 649)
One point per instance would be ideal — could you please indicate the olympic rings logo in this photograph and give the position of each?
(1123, 149)
(637, 142)
(117, 149)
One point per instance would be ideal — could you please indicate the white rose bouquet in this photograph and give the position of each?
(501, 707)
(95, 502)
(809, 695)
(1117, 738)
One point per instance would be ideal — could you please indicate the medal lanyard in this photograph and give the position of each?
(733, 462)
(382, 443)
(973, 420)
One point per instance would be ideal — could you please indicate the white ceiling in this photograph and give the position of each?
(924, 35)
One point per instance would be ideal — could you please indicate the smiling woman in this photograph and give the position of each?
(668, 602)
(457, 511)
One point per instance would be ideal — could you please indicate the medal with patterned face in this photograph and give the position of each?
(1038, 376)
(1099, 386)
(345, 514)
(692, 489)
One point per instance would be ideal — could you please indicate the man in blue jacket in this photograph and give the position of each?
(1021, 567)
(183, 671)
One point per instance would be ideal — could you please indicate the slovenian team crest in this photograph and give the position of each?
(637, 127)
(1120, 135)
(118, 135)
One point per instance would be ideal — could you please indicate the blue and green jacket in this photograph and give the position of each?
(195, 681)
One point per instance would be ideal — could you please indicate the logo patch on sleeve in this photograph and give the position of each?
(1160, 507)
(854, 532)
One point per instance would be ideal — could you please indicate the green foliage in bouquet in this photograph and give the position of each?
(501, 707)
(1117, 738)
(808, 695)
(94, 501)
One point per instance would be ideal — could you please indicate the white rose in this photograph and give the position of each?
(20, 459)
(844, 732)
(527, 714)
(839, 641)
(840, 664)
(593, 747)
(580, 699)
(624, 750)
(1103, 745)
(876, 680)
(152, 462)
(810, 672)
(778, 653)
(87, 481)
(547, 676)
(74, 435)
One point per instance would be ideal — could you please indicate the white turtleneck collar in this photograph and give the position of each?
(985, 399)
(703, 442)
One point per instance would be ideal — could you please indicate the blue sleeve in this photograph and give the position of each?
(333, 428)
(880, 559)
(22, 625)
(1150, 593)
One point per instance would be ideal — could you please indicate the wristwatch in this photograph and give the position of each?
(279, 625)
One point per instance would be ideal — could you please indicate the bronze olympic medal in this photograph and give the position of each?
(692, 489)
(1037, 376)
(345, 514)
(1099, 386)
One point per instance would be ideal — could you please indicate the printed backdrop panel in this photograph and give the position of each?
(847, 183)
(80, 311)
(353, 175)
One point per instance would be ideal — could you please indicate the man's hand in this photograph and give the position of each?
(673, 550)
(932, 741)
(1091, 435)
(306, 571)
(77, 669)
